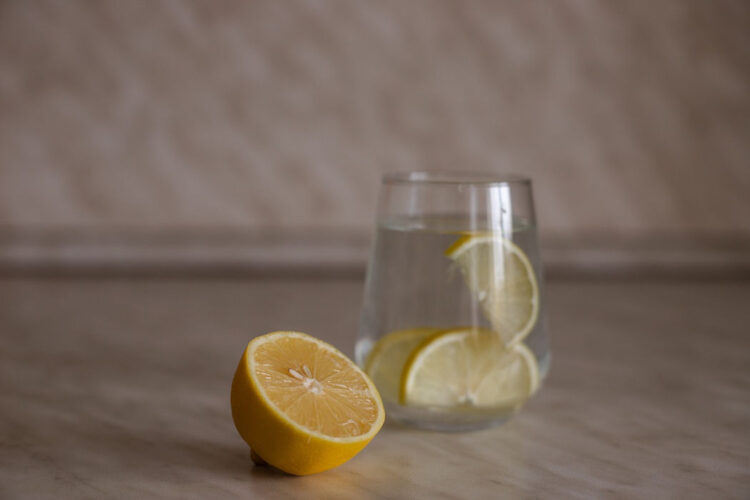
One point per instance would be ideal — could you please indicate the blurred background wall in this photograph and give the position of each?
(254, 133)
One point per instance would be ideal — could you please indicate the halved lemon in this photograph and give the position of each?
(302, 405)
(502, 278)
(387, 358)
(468, 367)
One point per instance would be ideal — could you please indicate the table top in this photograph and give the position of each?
(120, 389)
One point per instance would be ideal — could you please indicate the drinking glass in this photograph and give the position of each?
(453, 329)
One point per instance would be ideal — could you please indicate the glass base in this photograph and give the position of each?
(468, 418)
(461, 420)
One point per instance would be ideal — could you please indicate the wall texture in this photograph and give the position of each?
(266, 117)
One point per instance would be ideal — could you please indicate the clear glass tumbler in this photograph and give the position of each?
(453, 327)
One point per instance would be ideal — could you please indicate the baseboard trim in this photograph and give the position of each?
(299, 254)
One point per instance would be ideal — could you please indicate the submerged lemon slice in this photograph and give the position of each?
(388, 357)
(500, 275)
(301, 404)
(468, 367)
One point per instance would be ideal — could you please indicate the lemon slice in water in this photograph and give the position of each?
(386, 361)
(502, 278)
(468, 367)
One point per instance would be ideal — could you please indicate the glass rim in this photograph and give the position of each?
(455, 177)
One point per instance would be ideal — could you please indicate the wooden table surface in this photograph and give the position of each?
(120, 389)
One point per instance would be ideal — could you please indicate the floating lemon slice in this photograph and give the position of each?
(468, 367)
(301, 405)
(388, 357)
(500, 275)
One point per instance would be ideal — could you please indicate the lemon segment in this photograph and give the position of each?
(502, 279)
(302, 405)
(468, 367)
(386, 361)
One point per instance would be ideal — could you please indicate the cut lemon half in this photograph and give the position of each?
(468, 367)
(502, 278)
(302, 405)
(388, 357)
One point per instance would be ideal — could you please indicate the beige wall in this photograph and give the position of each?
(633, 118)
